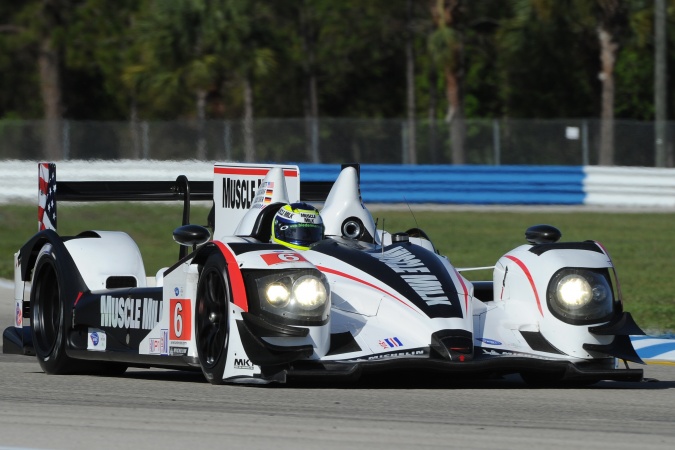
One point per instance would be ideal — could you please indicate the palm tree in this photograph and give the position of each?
(446, 49)
(41, 37)
(242, 44)
(611, 19)
(175, 60)
(603, 21)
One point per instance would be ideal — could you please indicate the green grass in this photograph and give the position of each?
(642, 245)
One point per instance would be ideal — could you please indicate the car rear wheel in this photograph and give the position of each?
(211, 320)
(48, 318)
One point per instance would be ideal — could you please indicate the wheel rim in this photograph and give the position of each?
(47, 314)
(211, 318)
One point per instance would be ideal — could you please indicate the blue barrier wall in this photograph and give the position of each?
(435, 184)
(562, 185)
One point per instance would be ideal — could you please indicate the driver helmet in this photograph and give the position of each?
(297, 226)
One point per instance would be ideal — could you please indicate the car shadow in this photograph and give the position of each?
(381, 380)
(403, 380)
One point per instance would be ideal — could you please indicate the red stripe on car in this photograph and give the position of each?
(466, 291)
(236, 278)
(358, 280)
(251, 171)
(529, 278)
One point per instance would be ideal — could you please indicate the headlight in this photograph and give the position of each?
(296, 297)
(580, 296)
(309, 292)
(277, 294)
(574, 291)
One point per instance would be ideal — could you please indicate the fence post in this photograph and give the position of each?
(584, 143)
(66, 140)
(315, 140)
(146, 139)
(227, 140)
(404, 143)
(496, 143)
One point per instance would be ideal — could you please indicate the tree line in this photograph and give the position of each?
(418, 59)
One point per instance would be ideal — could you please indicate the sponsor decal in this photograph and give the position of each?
(154, 346)
(164, 342)
(390, 343)
(176, 291)
(282, 257)
(419, 352)
(181, 319)
(425, 284)
(489, 341)
(239, 194)
(160, 345)
(131, 313)
(18, 319)
(178, 351)
(498, 352)
(286, 214)
(264, 193)
(96, 340)
(308, 217)
(241, 363)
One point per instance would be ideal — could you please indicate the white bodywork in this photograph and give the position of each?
(237, 190)
(344, 203)
(520, 302)
(387, 302)
(112, 254)
(370, 310)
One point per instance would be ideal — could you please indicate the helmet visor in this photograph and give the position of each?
(298, 233)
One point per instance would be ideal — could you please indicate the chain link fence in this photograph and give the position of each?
(374, 141)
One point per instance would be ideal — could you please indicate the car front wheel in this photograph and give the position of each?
(211, 318)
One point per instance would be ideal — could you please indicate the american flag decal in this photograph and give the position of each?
(47, 196)
(391, 342)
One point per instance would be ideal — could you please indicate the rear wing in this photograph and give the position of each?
(181, 189)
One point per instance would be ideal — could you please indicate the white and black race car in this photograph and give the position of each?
(244, 310)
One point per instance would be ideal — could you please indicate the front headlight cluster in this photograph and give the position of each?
(580, 296)
(302, 295)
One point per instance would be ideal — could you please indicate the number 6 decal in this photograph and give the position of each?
(181, 320)
(280, 258)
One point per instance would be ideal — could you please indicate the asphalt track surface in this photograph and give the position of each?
(153, 408)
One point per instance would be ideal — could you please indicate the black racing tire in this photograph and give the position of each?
(211, 318)
(48, 318)
(48, 325)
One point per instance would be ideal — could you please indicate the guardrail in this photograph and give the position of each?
(384, 183)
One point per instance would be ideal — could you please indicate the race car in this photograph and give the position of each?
(244, 309)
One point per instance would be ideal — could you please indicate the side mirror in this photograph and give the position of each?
(542, 234)
(190, 235)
